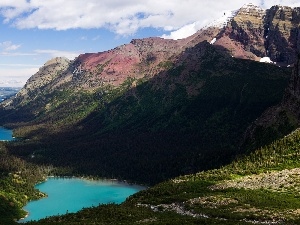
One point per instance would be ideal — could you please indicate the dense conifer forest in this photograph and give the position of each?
(262, 187)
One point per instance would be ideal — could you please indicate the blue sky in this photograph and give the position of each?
(34, 31)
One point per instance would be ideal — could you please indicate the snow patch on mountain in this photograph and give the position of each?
(266, 60)
(224, 19)
(213, 41)
(248, 7)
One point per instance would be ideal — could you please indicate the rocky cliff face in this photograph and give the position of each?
(281, 31)
(255, 33)
(243, 35)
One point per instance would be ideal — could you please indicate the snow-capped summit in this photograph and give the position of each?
(223, 20)
(250, 9)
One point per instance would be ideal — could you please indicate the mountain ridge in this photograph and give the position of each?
(249, 33)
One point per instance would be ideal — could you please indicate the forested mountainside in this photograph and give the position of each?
(189, 118)
(155, 109)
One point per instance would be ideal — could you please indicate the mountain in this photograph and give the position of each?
(248, 33)
(156, 100)
(254, 34)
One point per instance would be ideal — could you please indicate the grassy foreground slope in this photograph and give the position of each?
(261, 188)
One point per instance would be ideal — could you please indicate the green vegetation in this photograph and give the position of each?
(278, 200)
(191, 118)
(127, 214)
(166, 65)
(199, 194)
(183, 121)
(17, 179)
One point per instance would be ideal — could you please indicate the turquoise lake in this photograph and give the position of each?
(73, 194)
(5, 134)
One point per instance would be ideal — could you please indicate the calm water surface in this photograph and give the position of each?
(72, 194)
(5, 134)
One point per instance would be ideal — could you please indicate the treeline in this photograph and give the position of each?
(17, 180)
(145, 158)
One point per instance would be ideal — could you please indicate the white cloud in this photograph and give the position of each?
(11, 83)
(12, 9)
(57, 53)
(18, 65)
(124, 17)
(51, 52)
(17, 54)
(96, 38)
(270, 3)
(184, 31)
(8, 46)
(19, 77)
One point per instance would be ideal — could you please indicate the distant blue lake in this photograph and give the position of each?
(7, 92)
(73, 194)
(5, 134)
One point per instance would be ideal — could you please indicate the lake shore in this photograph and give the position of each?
(71, 194)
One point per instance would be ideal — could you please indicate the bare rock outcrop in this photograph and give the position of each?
(255, 33)
(37, 83)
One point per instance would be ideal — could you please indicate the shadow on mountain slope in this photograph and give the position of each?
(189, 118)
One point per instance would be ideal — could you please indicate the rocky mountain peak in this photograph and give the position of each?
(254, 33)
(250, 13)
(251, 10)
(35, 84)
(57, 60)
